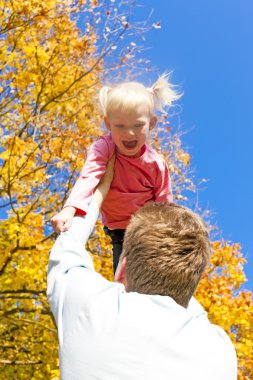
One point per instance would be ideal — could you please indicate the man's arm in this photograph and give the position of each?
(69, 252)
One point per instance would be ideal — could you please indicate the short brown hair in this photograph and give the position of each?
(167, 248)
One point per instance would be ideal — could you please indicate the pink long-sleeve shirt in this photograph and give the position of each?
(137, 180)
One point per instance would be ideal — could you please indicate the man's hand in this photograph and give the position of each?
(62, 221)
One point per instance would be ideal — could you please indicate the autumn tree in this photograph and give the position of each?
(52, 62)
(54, 55)
(227, 303)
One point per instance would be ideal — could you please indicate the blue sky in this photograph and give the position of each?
(209, 47)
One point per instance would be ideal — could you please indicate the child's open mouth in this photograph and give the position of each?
(129, 144)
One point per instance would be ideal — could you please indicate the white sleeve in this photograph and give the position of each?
(69, 252)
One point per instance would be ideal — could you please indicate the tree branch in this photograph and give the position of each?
(20, 362)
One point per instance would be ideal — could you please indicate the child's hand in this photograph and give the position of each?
(62, 221)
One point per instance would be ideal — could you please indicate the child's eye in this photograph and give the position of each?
(119, 126)
(139, 125)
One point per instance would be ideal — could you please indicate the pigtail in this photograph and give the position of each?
(103, 98)
(164, 92)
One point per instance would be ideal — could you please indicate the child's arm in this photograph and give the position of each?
(95, 165)
(162, 189)
(68, 254)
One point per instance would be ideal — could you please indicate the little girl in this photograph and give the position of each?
(140, 174)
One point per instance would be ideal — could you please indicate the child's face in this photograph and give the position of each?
(130, 129)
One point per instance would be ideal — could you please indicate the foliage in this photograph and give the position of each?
(52, 61)
(51, 68)
(226, 305)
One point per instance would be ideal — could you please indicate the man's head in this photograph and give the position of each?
(165, 251)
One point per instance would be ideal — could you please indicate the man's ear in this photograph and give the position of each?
(153, 122)
(107, 123)
(120, 275)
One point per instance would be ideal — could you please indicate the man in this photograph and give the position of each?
(148, 327)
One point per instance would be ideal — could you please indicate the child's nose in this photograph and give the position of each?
(130, 132)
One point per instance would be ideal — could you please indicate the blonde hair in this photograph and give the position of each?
(126, 96)
(167, 248)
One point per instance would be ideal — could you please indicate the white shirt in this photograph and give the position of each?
(106, 333)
